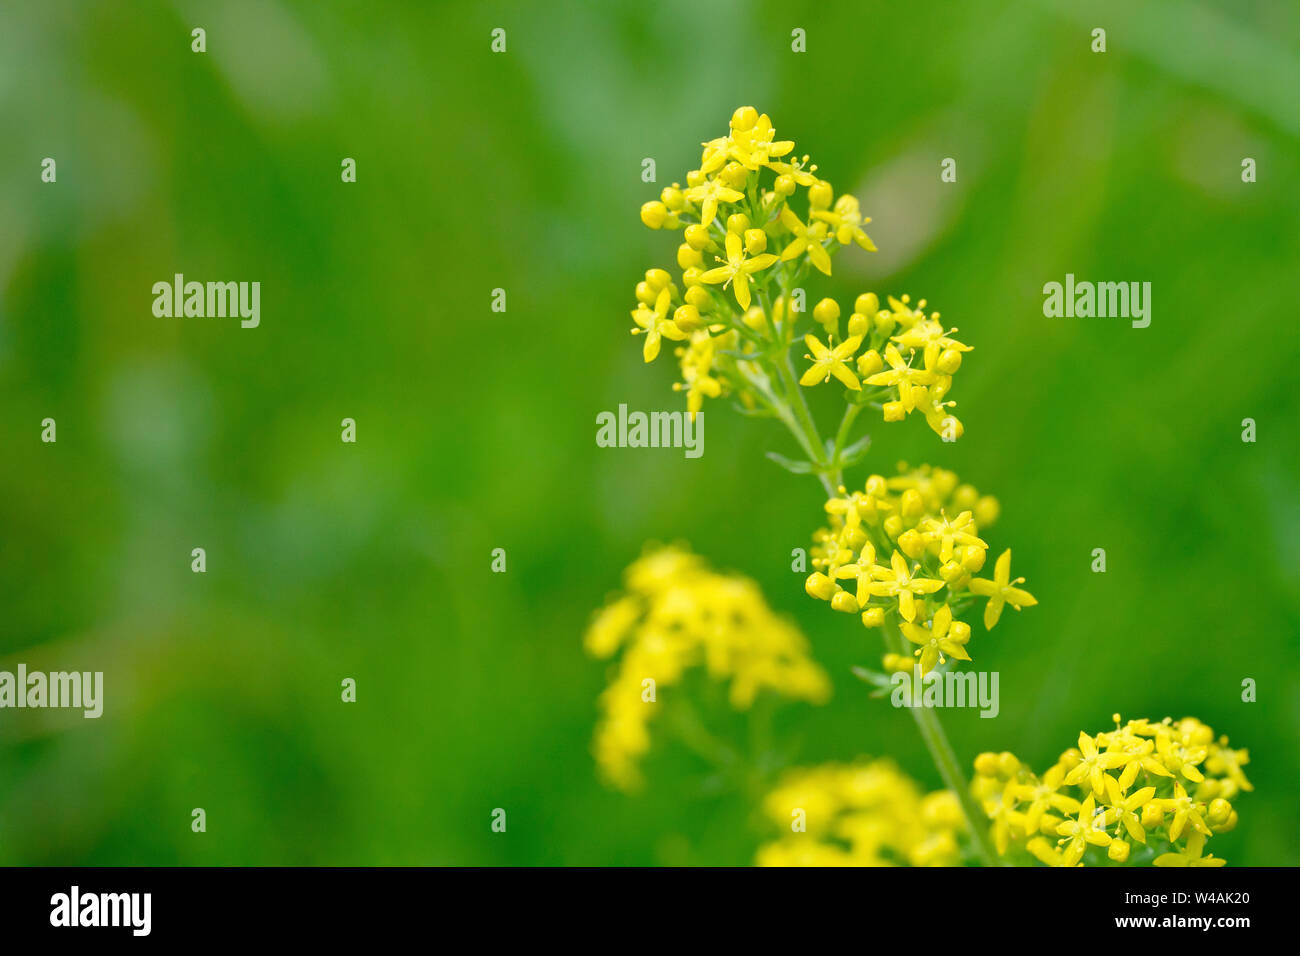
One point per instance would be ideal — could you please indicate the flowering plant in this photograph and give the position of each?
(905, 553)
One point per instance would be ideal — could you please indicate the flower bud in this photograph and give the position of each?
(868, 304)
(687, 318)
(869, 362)
(1219, 812)
(737, 222)
(657, 279)
(846, 602)
(1118, 850)
(911, 543)
(893, 663)
(952, 571)
(687, 257)
(734, 175)
(654, 214)
(912, 504)
(819, 586)
(697, 236)
(986, 764)
(987, 510)
(855, 538)
(894, 411)
(820, 194)
(1152, 815)
(698, 296)
(754, 319)
(964, 498)
(874, 617)
(673, 197)
(755, 241)
(949, 361)
(785, 185)
(743, 120)
(826, 313)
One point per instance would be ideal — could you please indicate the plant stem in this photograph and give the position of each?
(797, 416)
(949, 767)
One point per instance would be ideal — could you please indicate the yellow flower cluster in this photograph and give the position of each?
(910, 546)
(864, 814)
(915, 372)
(745, 249)
(1145, 792)
(677, 614)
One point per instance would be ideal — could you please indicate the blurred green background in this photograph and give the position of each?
(476, 430)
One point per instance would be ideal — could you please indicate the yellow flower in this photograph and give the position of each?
(1088, 828)
(738, 269)
(798, 170)
(1191, 855)
(677, 614)
(1125, 809)
(862, 814)
(709, 194)
(1001, 590)
(806, 239)
(656, 324)
(1093, 765)
(901, 374)
(831, 361)
(897, 580)
(697, 363)
(949, 532)
(1044, 795)
(943, 636)
(847, 221)
(1185, 810)
(1180, 758)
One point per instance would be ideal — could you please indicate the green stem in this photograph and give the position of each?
(949, 767)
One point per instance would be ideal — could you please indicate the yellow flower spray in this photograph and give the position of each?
(906, 554)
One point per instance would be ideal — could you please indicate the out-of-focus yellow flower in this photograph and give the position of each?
(676, 615)
(805, 239)
(861, 814)
(847, 221)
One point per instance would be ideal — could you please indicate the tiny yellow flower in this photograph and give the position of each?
(709, 194)
(1088, 828)
(901, 374)
(1191, 855)
(847, 221)
(943, 636)
(806, 239)
(897, 581)
(1093, 766)
(1001, 590)
(655, 324)
(831, 361)
(738, 269)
